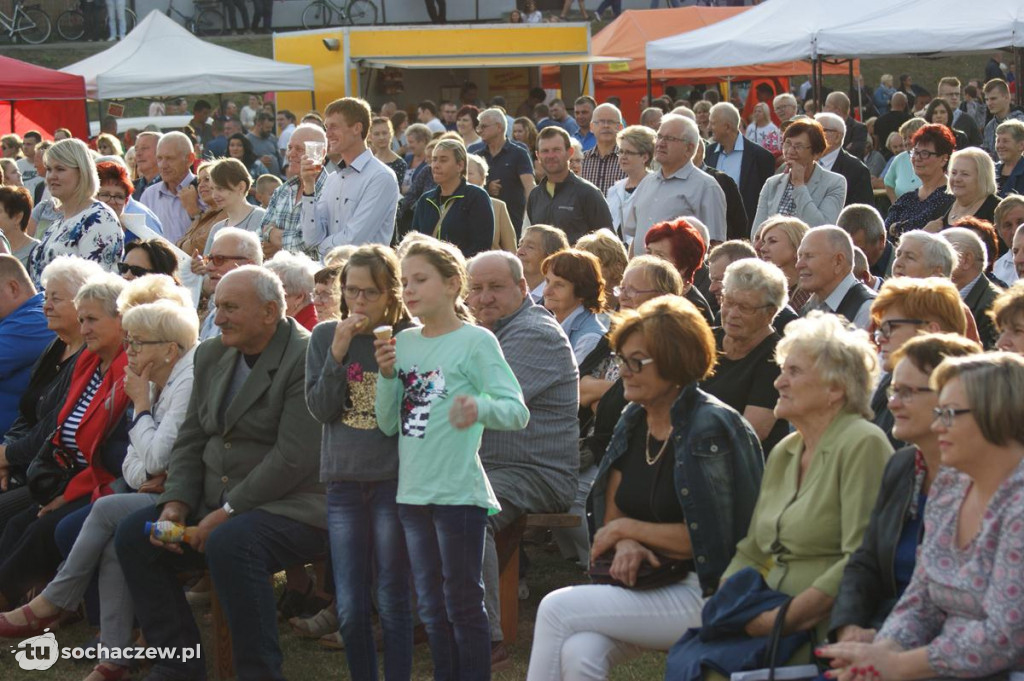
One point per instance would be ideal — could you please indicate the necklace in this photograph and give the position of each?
(647, 449)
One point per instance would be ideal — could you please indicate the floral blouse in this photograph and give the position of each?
(94, 234)
(966, 605)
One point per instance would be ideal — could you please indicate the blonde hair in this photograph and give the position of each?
(1008, 306)
(662, 274)
(794, 228)
(984, 167)
(165, 320)
(339, 255)
(844, 357)
(74, 154)
(151, 288)
(114, 143)
(609, 251)
(448, 261)
(102, 288)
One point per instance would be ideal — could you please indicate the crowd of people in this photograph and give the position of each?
(380, 345)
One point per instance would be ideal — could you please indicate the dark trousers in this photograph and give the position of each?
(262, 9)
(230, 7)
(29, 551)
(438, 11)
(242, 555)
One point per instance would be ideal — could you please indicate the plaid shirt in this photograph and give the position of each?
(283, 212)
(602, 171)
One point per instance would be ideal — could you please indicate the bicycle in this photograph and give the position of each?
(205, 19)
(71, 23)
(30, 24)
(321, 13)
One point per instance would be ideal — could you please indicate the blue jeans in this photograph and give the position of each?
(446, 547)
(242, 555)
(366, 535)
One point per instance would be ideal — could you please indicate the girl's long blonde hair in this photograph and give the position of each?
(448, 261)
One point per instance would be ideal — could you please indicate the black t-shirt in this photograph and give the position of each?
(749, 382)
(647, 492)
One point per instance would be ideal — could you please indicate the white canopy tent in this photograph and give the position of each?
(783, 30)
(161, 58)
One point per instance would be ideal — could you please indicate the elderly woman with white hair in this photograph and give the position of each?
(819, 484)
(504, 233)
(753, 293)
(161, 342)
(972, 182)
(922, 254)
(87, 227)
(297, 273)
(762, 130)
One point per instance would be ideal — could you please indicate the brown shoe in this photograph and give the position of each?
(499, 656)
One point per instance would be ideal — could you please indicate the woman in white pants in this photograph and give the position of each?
(116, 19)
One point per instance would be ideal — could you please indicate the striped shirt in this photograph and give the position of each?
(69, 428)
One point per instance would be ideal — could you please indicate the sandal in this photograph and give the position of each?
(33, 626)
(111, 674)
(332, 641)
(323, 623)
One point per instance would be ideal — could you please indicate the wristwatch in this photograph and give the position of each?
(227, 508)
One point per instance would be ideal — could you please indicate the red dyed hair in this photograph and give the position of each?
(687, 247)
(114, 173)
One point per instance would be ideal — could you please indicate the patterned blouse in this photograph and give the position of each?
(910, 213)
(94, 234)
(967, 605)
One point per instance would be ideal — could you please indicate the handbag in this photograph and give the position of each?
(647, 576)
(50, 472)
(771, 670)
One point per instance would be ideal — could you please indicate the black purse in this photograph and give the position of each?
(50, 472)
(647, 576)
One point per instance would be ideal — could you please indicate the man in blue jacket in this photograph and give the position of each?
(23, 335)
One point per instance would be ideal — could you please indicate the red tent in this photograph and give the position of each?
(29, 97)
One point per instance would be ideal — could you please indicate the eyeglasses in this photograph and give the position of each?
(922, 154)
(353, 293)
(107, 197)
(219, 260)
(323, 295)
(135, 345)
(742, 308)
(630, 292)
(885, 329)
(798, 148)
(667, 138)
(945, 415)
(623, 152)
(634, 364)
(613, 121)
(124, 268)
(904, 392)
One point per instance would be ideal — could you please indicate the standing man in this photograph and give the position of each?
(891, 121)
(174, 199)
(583, 110)
(448, 112)
(949, 90)
(565, 200)
(748, 164)
(426, 113)
(679, 188)
(358, 203)
(282, 224)
(997, 98)
(510, 168)
(601, 161)
(145, 162)
(200, 115)
(285, 127)
(26, 164)
(836, 159)
(785, 108)
(856, 138)
(557, 115)
(264, 142)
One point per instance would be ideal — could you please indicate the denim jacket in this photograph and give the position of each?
(718, 467)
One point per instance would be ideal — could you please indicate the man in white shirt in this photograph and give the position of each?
(426, 113)
(825, 266)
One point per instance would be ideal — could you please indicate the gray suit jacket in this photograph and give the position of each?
(817, 203)
(265, 451)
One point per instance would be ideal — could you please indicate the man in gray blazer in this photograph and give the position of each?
(245, 469)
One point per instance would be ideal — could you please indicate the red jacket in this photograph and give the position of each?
(105, 410)
(307, 317)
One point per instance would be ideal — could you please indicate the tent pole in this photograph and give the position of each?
(814, 78)
(650, 89)
(99, 113)
(1018, 56)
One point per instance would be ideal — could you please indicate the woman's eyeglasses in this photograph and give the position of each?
(904, 392)
(107, 197)
(136, 345)
(124, 268)
(634, 364)
(945, 415)
(885, 329)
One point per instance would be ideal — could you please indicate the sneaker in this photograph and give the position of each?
(323, 623)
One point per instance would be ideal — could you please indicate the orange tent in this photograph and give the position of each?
(628, 36)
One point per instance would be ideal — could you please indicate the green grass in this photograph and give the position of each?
(304, 659)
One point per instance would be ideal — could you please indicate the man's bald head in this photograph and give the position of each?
(15, 285)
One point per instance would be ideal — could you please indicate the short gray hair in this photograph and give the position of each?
(833, 119)
(784, 98)
(266, 285)
(296, 272)
(1014, 128)
(750, 274)
(727, 112)
(860, 262)
(103, 288)
(962, 238)
(860, 217)
(843, 355)
(249, 242)
(71, 271)
(937, 252)
(838, 240)
(497, 115)
(179, 140)
(983, 165)
(515, 265)
(690, 131)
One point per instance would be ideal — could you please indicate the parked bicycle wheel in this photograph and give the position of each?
(129, 20)
(33, 25)
(71, 25)
(209, 22)
(317, 15)
(362, 13)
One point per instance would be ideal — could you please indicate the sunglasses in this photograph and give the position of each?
(124, 268)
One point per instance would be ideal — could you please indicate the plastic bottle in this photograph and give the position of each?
(170, 532)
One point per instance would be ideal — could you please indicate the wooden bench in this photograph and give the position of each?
(507, 543)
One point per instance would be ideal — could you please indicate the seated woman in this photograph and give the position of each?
(939, 112)
(803, 189)
(194, 240)
(821, 481)
(609, 250)
(879, 571)
(116, 191)
(150, 256)
(574, 293)
(777, 242)
(962, 621)
(900, 176)
(240, 149)
(161, 340)
(752, 295)
(972, 182)
(453, 210)
(681, 244)
(1009, 150)
(91, 432)
(15, 213)
(655, 501)
(1008, 313)
(931, 147)
(230, 183)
